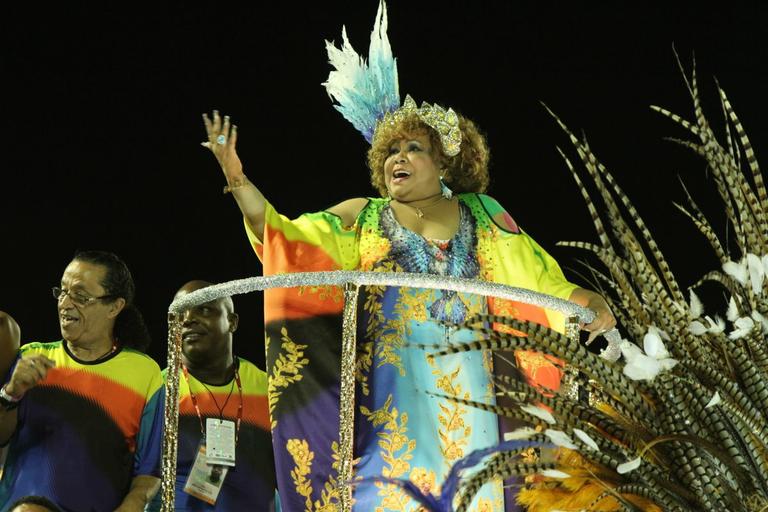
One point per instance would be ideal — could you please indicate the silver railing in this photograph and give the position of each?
(350, 282)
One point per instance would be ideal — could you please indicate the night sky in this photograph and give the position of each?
(103, 123)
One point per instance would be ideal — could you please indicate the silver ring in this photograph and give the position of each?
(221, 140)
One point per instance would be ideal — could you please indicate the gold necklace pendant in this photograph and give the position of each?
(420, 210)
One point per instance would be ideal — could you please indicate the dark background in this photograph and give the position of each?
(102, 109)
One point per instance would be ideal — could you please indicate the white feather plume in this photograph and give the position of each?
(696, 307)
(560, 438)
(756, 273)
(661, 333)
(519, 434)
(554, 473)
(628, 466)
(697, 328)
(743, 326)
(539, 412)
(653, 346)
(641, 366)
(713, 401)
(716, 325)
(738, 271)
(586, 439)
(733, 310)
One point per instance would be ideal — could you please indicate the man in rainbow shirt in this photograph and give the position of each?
(224, 459)
(80, 416)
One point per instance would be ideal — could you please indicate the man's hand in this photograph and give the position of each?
(28, 373)
(143, 489)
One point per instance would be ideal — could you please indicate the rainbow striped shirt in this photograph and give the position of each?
(85, 431)
(250, 485)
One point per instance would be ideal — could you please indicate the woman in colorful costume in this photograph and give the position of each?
(420, 225)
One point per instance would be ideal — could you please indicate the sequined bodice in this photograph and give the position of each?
(414, 253)
(455, 258)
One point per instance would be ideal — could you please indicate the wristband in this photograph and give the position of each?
(8, 402)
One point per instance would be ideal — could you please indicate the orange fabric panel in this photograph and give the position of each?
(291, 255)
(539, 369)
(255, 407)
(296, 303)
(121, 403)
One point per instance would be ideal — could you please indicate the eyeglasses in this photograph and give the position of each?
(79, 298)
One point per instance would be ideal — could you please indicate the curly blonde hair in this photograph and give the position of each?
(465, 172)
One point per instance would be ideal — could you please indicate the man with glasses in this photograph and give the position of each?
(80, 416)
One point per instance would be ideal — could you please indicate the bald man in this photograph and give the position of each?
(225, 448)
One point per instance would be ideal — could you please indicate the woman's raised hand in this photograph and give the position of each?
(222, 139)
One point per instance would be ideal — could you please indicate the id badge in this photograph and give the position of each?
(205, 480)
(220, 441)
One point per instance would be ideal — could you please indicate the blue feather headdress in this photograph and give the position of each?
(366, 93)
